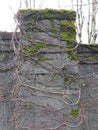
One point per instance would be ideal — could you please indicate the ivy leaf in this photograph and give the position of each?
(74, 112)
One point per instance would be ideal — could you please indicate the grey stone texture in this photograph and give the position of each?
(44, 93)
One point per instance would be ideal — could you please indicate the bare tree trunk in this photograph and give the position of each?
(78, 35)
(20, 5)
(26, 3)
(89, 22)
(79, 20)
(33, 4)
(93, 21)
(41, 4)
(58, 4)
(72, 4)
(30, 4)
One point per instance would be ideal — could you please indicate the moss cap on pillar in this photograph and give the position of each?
(25, 14)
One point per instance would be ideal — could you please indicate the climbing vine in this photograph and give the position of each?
(52, 97)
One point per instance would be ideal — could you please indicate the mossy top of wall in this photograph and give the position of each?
(88, 54)
(46, 14)
(86, 48)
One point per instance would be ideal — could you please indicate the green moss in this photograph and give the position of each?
(66, 80)
(52, 24)
(74, 112)
(40, 45)
(69, 79)
(69, 46)
(68, 24)
(33, 49)
(42, 58)
(73, 55)
(30, 22)
(29, 51)
(47, 14)
(53, 28)
(28, 106)
(67, 36)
